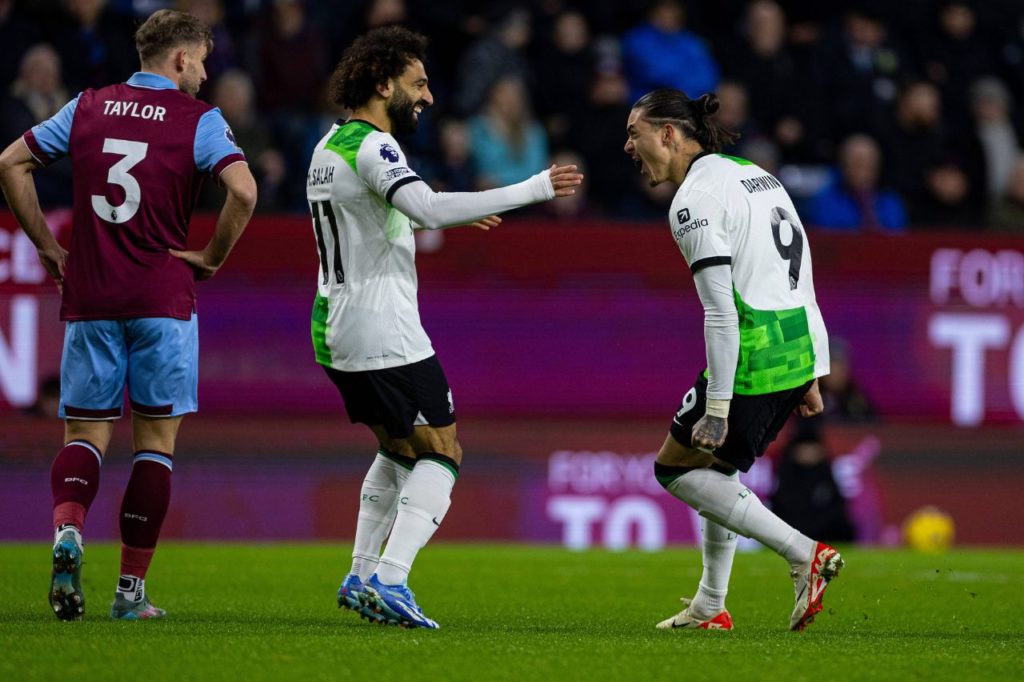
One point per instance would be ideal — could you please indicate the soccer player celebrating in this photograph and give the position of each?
(366, 329)
(138, 152)
(765, 341)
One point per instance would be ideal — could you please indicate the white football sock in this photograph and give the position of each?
(131, 587)
(424, 500)
(728, 502)
(378, 505)
(718, 545)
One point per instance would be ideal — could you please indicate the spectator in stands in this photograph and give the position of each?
(806, 494)
(225, 54)
(292, 74)
(995, 132)
(37, 94)
(954, 53)
(96, 46)
(233, 93)
(858, 75)
(457, 171)
(661, 53)
(564, 69)
(843, 398)
(734, 114)
(776, 84)
(918, 138)
(1007, 213)
(853, 201)
(508, 144)
(499, 54)
(952, 198)
(577, 206)
(17, 34)
(598, 137)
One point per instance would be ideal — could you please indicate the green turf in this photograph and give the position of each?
(511, 612)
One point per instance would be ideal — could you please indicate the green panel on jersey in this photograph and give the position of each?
(318, 327)
(398, 224)
(737, 159)
(776, 349)
(347, 140)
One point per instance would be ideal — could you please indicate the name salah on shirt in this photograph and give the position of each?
(320, 176)
(133, 110)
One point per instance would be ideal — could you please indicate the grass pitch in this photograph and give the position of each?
(513, 612)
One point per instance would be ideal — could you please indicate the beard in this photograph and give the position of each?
(189, 85)
(400, 111)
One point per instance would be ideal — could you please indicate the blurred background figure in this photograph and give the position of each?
(854, 200)
(17, 34)
(225, 53)
(843, 398)
(575, 207)
(997, 136)
(456, 169)
(566, 63)
(499, 54)
(233, 94)
(734, 114)
(292, 74)
(96, 46)
(806, 495)
(507, 143)
(661, 53)
(1007, 214)
(37, 94)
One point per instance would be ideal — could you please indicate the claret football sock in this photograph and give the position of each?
(74, 480)
(422, 504)
(143, 508)
(378, 506)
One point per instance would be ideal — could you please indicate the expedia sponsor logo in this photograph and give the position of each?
(686, 225)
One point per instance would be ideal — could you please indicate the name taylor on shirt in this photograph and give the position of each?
(133, 110)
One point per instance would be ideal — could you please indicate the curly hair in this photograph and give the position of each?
(373, 59)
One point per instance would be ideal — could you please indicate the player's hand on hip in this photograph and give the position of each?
(199, 261)
(53, 258)
(709, 433)
(812, 404)
(486, 223)
(565, 179)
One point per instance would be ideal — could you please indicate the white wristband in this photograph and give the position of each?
(718, 408)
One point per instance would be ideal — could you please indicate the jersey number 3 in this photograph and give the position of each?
(794, 250)
(328, 212)
(132, 153)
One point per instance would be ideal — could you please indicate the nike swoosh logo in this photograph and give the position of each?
(436, 522)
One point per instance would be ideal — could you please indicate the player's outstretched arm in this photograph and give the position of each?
(435, 210)
(16, 166)
(238, 207)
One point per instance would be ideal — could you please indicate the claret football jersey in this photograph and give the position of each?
(365, 315)
(730, 211)
(139, 151)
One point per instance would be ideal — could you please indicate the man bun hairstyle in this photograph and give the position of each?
(373, 59)
(166, 29)
(694, 116)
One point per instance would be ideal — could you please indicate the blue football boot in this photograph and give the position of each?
(66, 597)
(396, 604)
(352, 596)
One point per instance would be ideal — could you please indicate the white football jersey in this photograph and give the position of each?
(730, 211)
(365, 316)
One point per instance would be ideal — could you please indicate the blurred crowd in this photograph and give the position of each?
(878, 117)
